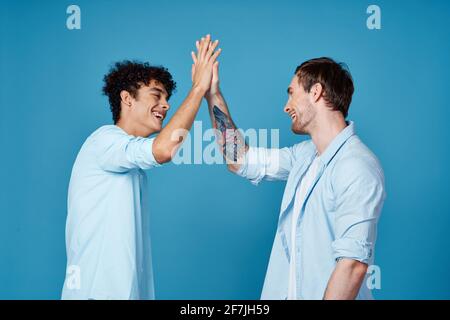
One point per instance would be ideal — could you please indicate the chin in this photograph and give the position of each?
(154, 130)
(295, 129)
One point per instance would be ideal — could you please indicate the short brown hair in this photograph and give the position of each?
(334, 78)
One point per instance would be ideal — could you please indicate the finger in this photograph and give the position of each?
(216, 54)
(197, 45)
(194, 57)
(192, 72)
(205, 45)
(212, 47)
(209, 48)
(200, 49)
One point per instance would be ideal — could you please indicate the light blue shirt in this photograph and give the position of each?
(338, 218)
(107, 229)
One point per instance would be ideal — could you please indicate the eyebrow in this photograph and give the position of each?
(159, 90)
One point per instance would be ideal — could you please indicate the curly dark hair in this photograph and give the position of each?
(130, 76)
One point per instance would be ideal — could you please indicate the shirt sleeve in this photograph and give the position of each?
(119, 152)
(359, 193)
(268, 164)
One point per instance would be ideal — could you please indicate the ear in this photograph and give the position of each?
(126, 98)
(316, 92)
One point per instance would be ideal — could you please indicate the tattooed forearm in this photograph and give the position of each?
(233, 143)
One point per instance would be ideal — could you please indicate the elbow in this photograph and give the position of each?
(360, 270)
(161, 154)
(163, 158)
(357, 268)
(354, 267)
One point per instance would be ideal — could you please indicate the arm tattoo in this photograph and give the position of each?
(228, 132)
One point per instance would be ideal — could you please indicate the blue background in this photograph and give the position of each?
(212, 231)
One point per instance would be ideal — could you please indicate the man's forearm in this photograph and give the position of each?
(218, 100)
(233, 139)
(346, 280)
(172, 135)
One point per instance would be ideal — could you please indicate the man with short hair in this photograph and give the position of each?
(334, 194)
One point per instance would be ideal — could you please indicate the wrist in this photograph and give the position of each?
(197, 89)
(213, 93)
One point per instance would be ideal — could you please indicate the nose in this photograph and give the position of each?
(287, 108)
(165, 105)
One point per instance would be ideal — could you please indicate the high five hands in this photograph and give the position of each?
(230, 140)
(205, 67)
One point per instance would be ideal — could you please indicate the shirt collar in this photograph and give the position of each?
(337, 143)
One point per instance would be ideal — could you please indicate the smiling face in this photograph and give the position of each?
(148, 109)
(299, 107)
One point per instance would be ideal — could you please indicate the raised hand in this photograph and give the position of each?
(204, 63)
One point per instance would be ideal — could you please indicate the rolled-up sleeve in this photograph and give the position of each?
(268, 164)
(359, 195)
(121, 152)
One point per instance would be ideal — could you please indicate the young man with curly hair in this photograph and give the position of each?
(107, 229)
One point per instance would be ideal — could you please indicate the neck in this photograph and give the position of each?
(325, 129)
(133, 128)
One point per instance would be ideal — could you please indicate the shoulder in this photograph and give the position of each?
(105, 138)
(109, 130)
(108, 134)
(356, 162)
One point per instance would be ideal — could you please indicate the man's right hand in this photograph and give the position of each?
(204, 62)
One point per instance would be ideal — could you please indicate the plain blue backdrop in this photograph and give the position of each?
(212, 231)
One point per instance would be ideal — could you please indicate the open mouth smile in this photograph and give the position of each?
(158, 115)
(293, 116)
